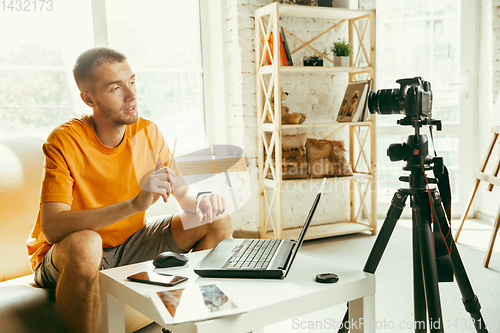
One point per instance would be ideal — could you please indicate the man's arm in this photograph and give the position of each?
(185, 194)
(58, 220)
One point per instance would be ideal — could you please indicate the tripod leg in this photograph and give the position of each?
(422, 214)
(391, 218)
(420, 310)
(469, 299)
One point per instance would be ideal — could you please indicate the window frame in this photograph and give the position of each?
(466, 128)
(215, 73)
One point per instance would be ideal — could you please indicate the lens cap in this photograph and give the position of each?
(327, 278)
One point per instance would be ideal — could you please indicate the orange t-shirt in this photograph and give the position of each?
(83, 173)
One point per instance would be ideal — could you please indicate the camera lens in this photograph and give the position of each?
(384, 101)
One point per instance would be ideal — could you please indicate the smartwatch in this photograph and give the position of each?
(200, 194)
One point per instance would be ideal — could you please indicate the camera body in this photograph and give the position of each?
(413, 99)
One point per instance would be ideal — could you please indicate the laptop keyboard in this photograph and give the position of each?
(253, 254)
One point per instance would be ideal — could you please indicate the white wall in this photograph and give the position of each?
(488, 82)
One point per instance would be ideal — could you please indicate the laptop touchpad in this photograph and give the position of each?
(228, 245)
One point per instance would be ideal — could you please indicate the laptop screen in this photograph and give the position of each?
(302, 235)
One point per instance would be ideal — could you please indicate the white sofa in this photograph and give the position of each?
(25, 307)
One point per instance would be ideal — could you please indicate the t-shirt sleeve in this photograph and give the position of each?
(57, 183)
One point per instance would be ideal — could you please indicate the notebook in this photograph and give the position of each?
(255, 258)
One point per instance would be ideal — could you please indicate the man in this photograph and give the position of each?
(101, 173)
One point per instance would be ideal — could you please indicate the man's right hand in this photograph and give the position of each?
(159, 184)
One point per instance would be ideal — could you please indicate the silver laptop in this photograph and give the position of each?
(255, 258)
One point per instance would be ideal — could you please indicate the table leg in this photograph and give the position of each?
(362, 315)
(113, 314)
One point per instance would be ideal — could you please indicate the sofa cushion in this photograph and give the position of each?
(24, 308)
(22, 295)
(21, 169)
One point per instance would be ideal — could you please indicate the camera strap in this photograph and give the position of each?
(443, 178)
(442, 231)
(441, 225)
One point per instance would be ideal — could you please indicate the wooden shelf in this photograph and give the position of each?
(311, 181)
(269, 69)
(269, 127)
(324, 230)
(362, 135)
(314, 12)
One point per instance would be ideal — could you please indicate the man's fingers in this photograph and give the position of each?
(159, 186)
(163, 189)
(207, 208)
(167, 174)
(209, 214)
(200, 215)
(171, 180)
(220, 206)
(166, 170)
(224, 204)
(170, 171)
(211, 206)
(215, 205)
(162, 192)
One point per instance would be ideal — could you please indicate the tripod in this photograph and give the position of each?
(427, 208)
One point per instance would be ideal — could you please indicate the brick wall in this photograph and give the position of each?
(315, 95)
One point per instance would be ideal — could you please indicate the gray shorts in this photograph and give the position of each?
(145, 244)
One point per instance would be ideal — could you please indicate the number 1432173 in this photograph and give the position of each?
(27, 5)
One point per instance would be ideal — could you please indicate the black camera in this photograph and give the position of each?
(313, 61)
(413, 98)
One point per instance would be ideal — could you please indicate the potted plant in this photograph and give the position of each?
(341, 49)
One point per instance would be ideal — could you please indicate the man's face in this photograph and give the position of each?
(115, 93)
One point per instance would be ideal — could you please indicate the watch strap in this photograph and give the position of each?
(200, 194)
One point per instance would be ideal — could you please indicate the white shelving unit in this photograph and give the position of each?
(362, 135)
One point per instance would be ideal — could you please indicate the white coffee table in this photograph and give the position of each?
(266, 301)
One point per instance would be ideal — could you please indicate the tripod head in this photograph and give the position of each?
(414, 100)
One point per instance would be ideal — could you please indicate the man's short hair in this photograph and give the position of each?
(89, 60)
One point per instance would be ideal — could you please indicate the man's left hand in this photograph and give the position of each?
(210, 207)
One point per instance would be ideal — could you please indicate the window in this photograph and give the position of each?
(161, 40)
(425, 39)
(37, 89)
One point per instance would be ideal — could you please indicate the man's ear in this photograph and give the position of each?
(87, 98)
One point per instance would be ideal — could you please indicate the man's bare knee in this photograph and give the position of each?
(223, 226)
(80, 252)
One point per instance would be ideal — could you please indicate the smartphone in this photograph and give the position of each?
(166, 280)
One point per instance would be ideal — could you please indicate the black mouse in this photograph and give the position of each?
(170, 259)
